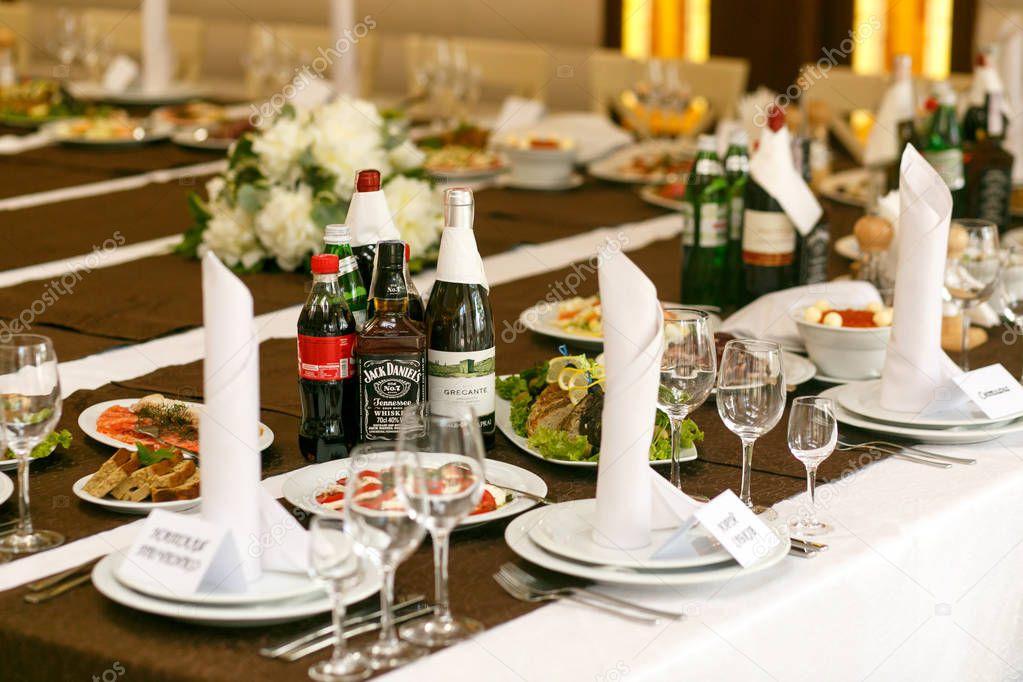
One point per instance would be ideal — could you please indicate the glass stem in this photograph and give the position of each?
(964, 361)
(387, 632)
(338, 619)
(811, 491)
(441, 545)
(747, 471)
(24, 515)
(676, 470)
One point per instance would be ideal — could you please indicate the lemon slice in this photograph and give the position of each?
(555, 365)
(567, 376)
(579, 386)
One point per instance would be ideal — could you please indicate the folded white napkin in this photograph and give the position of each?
(769, 317)
(16, 144)
(882, 142)
(773, 169)
(369, 219)
(632, 498)
(157, 53)
(265, 535)
(1012, 75)
(915, 366)
(594, 134)
(121, 73)
(516, 113)
(459, 258)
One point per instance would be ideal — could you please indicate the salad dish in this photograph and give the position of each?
(36, 101)
(46, 448)
(107, 131)
(653, 162)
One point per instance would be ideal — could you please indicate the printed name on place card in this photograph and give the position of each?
(993, 390)
(737, 528)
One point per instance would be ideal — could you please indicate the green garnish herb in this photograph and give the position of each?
(149, 457)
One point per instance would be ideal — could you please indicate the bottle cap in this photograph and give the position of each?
(739, 137)
(337, 234)
(324, 264)
(707, 143)
(902, 66)
(775, 117)
(367, 180)
(408, 252)
(391, 253)
(458, 196)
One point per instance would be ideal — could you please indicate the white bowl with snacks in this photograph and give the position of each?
(845, 342)
(540, 160)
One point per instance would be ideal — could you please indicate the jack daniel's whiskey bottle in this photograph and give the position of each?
(391, 350)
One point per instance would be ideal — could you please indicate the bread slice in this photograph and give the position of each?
(188, 490)
(114, 471)
(181, 472)
(138, 486)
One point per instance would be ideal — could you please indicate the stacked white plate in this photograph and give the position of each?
(560, 538)
(858, 404)
(275, 598)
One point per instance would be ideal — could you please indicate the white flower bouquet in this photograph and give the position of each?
(286, 181)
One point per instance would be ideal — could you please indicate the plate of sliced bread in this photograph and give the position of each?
(138, 481)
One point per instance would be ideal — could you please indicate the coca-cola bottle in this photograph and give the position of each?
(327, 384)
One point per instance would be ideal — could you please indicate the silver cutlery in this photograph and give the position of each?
(532, 496)
(900, 454)
(286, 645)
(538, 585)
(154, 433)
(519, 592)
(57, 590)
(802, 552)
(808, 544)
(881, 444)
(50, 581)
(373, 626)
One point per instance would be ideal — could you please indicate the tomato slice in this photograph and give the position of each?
(487, 504)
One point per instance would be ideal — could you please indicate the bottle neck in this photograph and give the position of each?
(458, 216)
(706, 165)
(340, 249)
(389, 288)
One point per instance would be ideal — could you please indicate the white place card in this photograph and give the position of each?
(992, 389)
(185, 554)
(737, 528)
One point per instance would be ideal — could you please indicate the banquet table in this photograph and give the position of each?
(919, 581)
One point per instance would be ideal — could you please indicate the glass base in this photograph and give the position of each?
(388, 654)
(809, 527)
(40, 540)
(437, 632)
(351, 668)
(768, 513)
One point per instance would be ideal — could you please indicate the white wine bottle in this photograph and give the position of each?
(459, 322)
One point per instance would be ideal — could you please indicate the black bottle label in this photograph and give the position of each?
(387, 385)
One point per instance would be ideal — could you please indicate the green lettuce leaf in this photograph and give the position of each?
(555, 444)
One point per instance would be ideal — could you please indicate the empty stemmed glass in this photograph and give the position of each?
(384, 533)
(332, 560)
(441, 481)
(813, 434)
(30, 405)
(688, 366)
(971, 271)
(750, 397)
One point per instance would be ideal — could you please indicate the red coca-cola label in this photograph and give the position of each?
(325, 358)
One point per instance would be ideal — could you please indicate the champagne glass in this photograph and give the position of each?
(441, 480)
(1012, 287)
(971, 271)
(688, 367)
(31, 405)
(813, 434)
(750, 397)
(384, 533)
(332, 560)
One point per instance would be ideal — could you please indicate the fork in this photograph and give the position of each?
(919, 459)
(883, 444)
(154, 433)
(522, 594)
(538, 585)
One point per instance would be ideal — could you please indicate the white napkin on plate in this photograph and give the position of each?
(632, 498)
(769, 317)
(594, 134)
(265, 535)
(517, 112)
(882, 142)
(773, 169)
(915, 366)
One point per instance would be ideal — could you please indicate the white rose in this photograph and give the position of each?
(346, 137)
(285, 227)
(279, 147)
(417, 209)
(230, 235)
(407, 156)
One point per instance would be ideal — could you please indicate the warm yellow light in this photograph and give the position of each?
(697, 28)
(637, 20)
(667, 28)
(937, 53)
(905, 35)
(870, 51)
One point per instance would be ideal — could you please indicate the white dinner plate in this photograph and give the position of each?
(650, 195)
(175, 93)
(247, 615)
(146, 133)
(502, 416)
(951, 436)
(301, 488)
(126, 507)
(90, 415)
(6, 488)
(864, 398)
(566, 529)
(191, 138)
(541, 318)
(847, 187)
(270, 587)
(798, 370)
(12, 463)
(517, 537)
(848, 247)
(616, 166)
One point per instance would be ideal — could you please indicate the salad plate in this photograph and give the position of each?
(113, 131)
(309, 488)
(104, 577)
(654, 161)
(667, 196)
(6, 488)
(864, 398)
(517, 535)
(127, 507)
(42, 451)
(566, 529)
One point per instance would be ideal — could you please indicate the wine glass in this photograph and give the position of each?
(332, 560)
(813, 434)
(385, 533)
(750, 397)
(688, 367)
(67, 39)
(1012, 287)
(30, 406)
(441, 480)
(971, 271)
